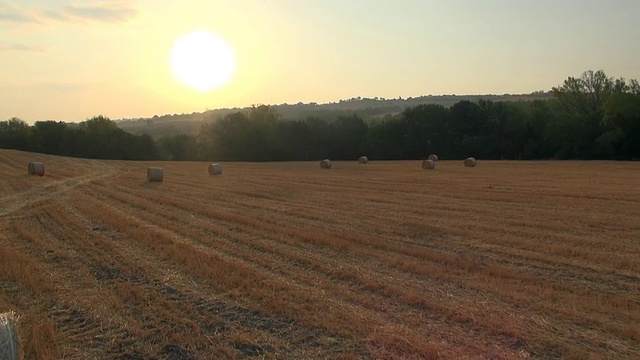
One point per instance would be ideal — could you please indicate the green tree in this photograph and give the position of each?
(387, 140)
(136, 147)
(178, 147)
(468, 130)
(15, 134)
(292, 141)
(349, 138)
(259, 136)
(426, 130)
(536, 143)
(101, 138)
(621, 138)
(226, 139)
(53, 137)
(583, 100)
(318, 140)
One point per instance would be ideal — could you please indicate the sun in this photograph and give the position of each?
(202, 61)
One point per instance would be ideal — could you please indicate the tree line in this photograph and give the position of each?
(96, 138)
(589, 117)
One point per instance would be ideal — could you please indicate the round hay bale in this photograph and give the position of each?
(8, 337)
(36, 168)
(215, 169)
(155, 174)
(325, 164)
(429, 164)
(433, 157)
(363, 159)
(470, 162)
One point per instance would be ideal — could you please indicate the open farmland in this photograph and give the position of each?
(508, 260)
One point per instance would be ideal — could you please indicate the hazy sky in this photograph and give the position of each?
(70, 60)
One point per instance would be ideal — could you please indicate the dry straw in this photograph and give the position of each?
(363, 159)
(428, 164)
(215, 169)
(155, 174)
(470, 162)
(325, 164)
(36, 168)
(433, 157)
(8, 337)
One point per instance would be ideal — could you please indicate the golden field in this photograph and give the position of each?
(508, 260)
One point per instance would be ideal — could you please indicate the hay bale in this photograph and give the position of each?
(429, 164)
(8, 337)
(215, 169)
(433, 157)
(363, 159)
(36, 168)
(470, 162)
(325, 164)
(155, 174)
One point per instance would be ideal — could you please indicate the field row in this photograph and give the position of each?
(283, 260)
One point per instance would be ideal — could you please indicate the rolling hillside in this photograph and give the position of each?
(173, 124)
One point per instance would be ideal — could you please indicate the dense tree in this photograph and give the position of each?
(387, 140)
(590, 117)
(425, 130)
(582, 122)
(178, 147)
(15, 134)
(348, 138)
(292, 141)
(98, 138)
(621, 136)
(317, 144)
(139, 147)
(536, 142)
(506, 129)
(52, 137)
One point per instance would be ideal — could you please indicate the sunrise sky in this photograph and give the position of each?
(70, 60)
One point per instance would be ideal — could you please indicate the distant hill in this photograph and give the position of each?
(367, 108)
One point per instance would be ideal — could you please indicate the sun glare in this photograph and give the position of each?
(202, 60)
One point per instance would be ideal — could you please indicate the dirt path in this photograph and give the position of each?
(13, 203)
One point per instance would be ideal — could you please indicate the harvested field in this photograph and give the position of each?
(512, 260)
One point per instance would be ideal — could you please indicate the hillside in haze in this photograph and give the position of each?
(367, 108)
(591, 117)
